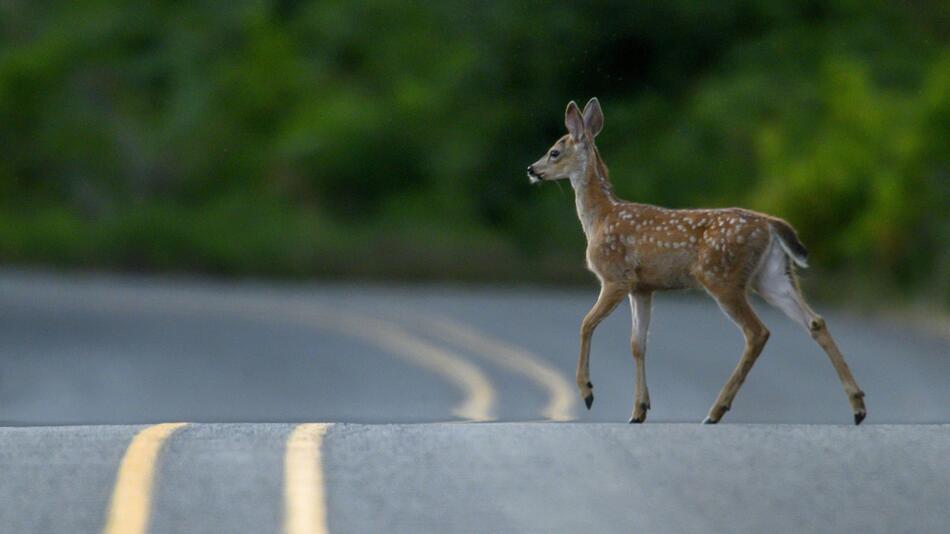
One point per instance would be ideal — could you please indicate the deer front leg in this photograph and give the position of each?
(756, 335)
(610, 296)
(640, 303)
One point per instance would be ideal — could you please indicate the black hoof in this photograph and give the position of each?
(709, 421)
(637, 420)
(588, 400)
(858, 417)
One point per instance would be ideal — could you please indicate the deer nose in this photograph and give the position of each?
(530, 169)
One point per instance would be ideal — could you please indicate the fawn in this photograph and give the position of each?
(636, 249)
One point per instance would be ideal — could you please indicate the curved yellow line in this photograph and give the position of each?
(305, 503)
(130, 506)
(560, 392)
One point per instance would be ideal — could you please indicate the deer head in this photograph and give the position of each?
(568, 157)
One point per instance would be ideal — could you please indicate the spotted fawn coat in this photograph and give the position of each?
(636, 249)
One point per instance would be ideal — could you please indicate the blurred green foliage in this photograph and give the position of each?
(389, 138)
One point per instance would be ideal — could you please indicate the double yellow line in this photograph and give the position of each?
(305, 509)
(561, 396)
(478, 395)
(304, 493)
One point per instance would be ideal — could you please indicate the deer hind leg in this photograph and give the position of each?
(777, 284)
(610, 296)
(640, 303)
(736, 306)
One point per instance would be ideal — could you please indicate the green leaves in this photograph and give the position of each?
(383, 118)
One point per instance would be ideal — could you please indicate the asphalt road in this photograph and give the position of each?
(127, 352)
(87, 349)
(498, 477)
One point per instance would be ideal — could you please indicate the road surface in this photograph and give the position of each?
(88, 349)
(494, 477)
(129, 353)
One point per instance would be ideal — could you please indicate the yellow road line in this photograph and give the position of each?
(132, 495)
(305, 504)
(560, 392)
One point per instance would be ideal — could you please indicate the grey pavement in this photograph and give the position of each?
(126, 351)
(501, 477)
(651, 478)
(90, 349)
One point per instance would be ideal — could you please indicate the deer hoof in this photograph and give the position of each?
(588, 400)
(858, 417)
(709, 421)
(640, 414)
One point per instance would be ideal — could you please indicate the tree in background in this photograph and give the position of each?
(388, 139)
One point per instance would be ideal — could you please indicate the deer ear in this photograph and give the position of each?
(574, 121)
(593, 117)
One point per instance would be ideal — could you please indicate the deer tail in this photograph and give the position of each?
(788, 239)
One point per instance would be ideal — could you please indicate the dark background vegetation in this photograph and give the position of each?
(388, 139)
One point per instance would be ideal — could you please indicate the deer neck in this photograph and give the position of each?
(593, 193)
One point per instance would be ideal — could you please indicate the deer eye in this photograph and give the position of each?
(555, 154)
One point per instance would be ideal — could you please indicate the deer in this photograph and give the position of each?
(637, 249)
